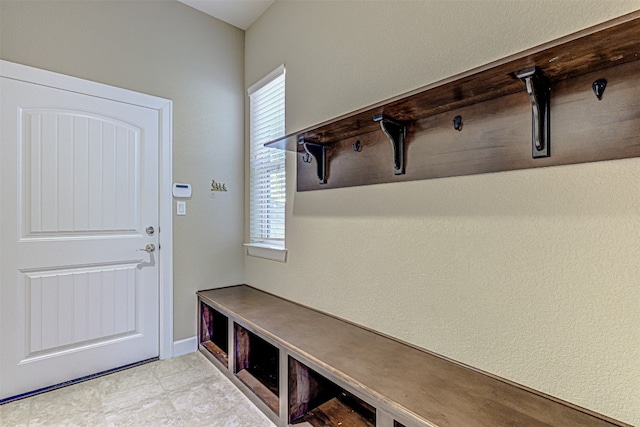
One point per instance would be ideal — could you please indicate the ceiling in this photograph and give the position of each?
(239, 13)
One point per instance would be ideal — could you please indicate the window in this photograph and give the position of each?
(267, 187)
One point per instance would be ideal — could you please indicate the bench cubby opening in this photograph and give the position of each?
(397, 424)
(214, 333)
(257, 366)
(316, 401)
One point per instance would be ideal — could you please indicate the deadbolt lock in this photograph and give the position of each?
(150, 230)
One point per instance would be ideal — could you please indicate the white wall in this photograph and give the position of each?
(167, 49)
(531, 275)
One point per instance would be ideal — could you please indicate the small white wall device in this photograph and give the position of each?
(181, 190)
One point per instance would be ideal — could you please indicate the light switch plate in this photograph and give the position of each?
(181, 208)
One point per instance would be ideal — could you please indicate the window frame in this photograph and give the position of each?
(264, 247)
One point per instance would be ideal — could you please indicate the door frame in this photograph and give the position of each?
(164, 107)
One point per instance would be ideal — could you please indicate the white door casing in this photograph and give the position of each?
(85, 169)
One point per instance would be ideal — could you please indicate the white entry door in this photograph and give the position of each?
(79, 189)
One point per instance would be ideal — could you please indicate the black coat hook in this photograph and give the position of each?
(598, 88)
(457, 123)
(357, 146)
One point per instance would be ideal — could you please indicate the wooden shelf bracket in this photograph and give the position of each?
(539, 94)
(396, 132)
(319, 154)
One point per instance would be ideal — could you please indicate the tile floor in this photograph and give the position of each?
(184, 391)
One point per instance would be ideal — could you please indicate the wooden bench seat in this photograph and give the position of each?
(406, 386)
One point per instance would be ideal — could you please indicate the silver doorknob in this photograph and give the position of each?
(149, 248)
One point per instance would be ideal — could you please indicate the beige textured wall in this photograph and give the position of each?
(532, 275)
(167, 49)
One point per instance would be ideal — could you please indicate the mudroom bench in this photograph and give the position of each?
(305, 368)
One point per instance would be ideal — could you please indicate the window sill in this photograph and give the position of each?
(271, 252)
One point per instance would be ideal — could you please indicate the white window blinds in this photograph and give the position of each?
(267, 176)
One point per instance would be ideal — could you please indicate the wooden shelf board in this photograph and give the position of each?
(414, 382)
(260, 390)
(596, 48)
(216, 352)
(334, 413)
(496, 136)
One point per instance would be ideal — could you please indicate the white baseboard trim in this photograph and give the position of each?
(185, 346)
